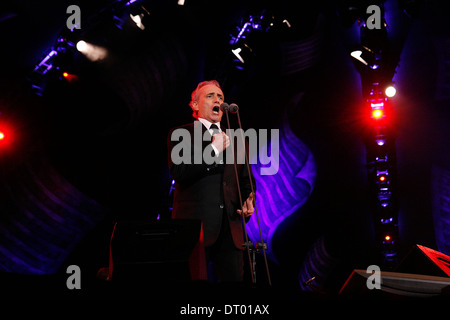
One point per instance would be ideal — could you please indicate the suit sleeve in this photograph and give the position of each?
(244, 182)
(188, 171)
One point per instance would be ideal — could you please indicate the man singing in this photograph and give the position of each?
(209, 192)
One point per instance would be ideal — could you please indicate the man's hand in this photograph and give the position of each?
(221, 141)
(248, 207)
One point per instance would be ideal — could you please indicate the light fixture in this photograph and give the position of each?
(390, 91)
(243, 53)
(91, 51)
(377, 114)
(357, 55)
(138, 20)
(367, 57)
(236, 53)
(82, 46)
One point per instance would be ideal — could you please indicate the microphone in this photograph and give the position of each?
(233, 108)
(224, 107)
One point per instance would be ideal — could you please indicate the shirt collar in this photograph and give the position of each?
(208, 124)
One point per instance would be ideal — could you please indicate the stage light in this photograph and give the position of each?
(377, 113)
(7, 136)
(367, 57)
(70, 77)
(390, 91)
(287, 23)
(378, 105)
(92, 52)
(388, 220)
(236, 53)
(82, 46)
(138, 20)
(357, 55)
(45, 65)
(384, 204)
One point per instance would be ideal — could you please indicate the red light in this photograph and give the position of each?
(8, 137)
(70, 77)
(377, 113)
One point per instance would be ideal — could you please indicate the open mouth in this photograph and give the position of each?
(215, 110)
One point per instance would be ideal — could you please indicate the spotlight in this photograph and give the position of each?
(91, 51)
(236, 53)
(138, 20)
(7, 135)
(70, 77)
(384, 204)
(243, 53)
(82, 46)
(387, 220)
(388, 238)
(367, 57)
(390, 91)
(377, 114)
(357, 55)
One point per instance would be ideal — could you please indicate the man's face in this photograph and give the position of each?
(209, 101)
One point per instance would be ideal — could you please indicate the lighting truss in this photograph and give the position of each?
(64, 43)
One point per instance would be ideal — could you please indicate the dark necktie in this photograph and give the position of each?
(215, 129)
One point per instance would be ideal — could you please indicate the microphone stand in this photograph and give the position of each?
(225, 107)
(233, 108)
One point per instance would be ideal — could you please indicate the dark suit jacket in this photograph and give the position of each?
(203, 191)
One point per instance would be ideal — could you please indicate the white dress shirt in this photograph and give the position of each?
(208, 124)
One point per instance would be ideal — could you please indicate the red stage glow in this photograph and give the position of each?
(70, 77)
(377, 114)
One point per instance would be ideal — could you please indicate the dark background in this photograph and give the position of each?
(96, 148)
